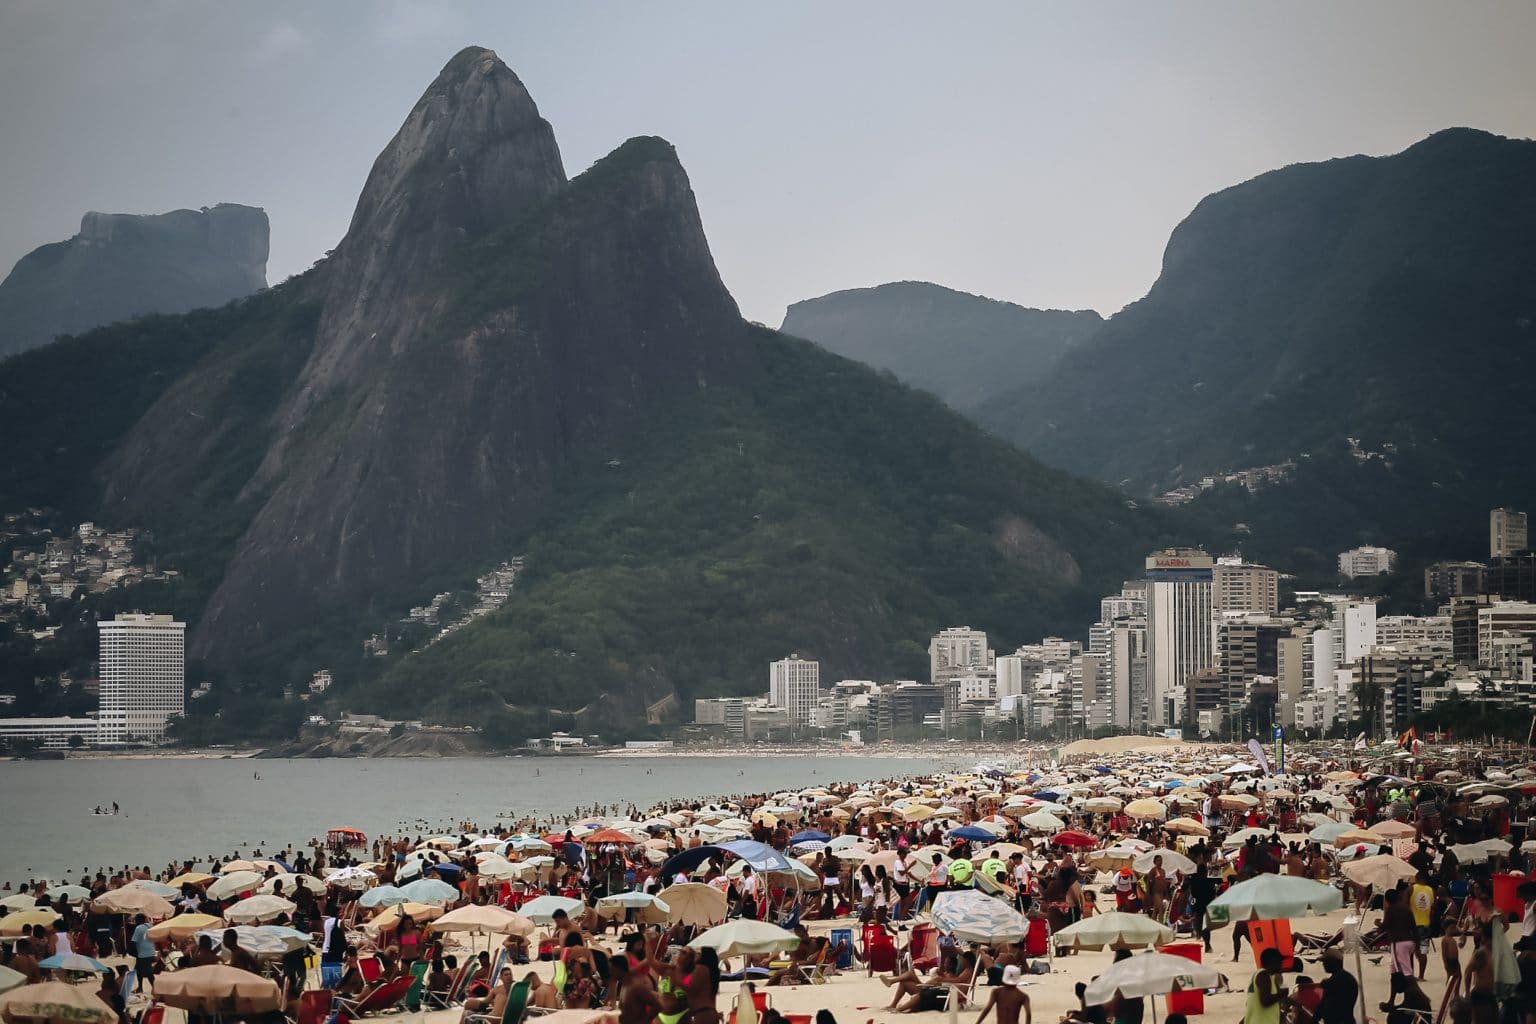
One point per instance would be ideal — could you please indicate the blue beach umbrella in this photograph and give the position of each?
(73, 962)
(970, 833)
(810, 835)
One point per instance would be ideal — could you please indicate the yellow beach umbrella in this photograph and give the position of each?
(55, 1002)
(14, 924)
(183, 926)
(191, 878)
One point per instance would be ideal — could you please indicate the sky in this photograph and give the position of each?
(1034, 152)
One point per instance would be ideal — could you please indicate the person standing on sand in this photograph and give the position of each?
(1009, 998)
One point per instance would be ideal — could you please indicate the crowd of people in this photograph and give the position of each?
(870, 862)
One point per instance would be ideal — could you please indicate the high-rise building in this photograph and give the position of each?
(1503, 620)
(1179, 634)
(957, 651)
(1247, 646)
(143, 679)
(1507, 533)
(1454, 579)
(1367, 561)
(727, 712)
(1128, 673)
(1237, 586)
(795, 685)
(1512, 577)
(1423, 634)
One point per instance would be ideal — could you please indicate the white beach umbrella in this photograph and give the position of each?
(746, 936)
(1149, 974)
(258, 910)
(1268, 897)
(1113, 928)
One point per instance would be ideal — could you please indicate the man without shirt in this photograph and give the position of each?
(1009, 998)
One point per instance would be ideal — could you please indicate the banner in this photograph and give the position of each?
(1257, 749)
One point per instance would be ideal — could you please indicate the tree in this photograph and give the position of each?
(76, 741)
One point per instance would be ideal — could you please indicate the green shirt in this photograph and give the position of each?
(960, 871)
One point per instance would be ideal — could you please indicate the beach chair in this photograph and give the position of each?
(314, 1006)
(371, 968)
(815, 972)
(516, 1008)
(418, 977)
(443, 1000)
(842, 939)
(760, 1003)
(923, 948)
(382, 999)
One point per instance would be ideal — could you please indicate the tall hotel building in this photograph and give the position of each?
(1179, 635)
(143, 676)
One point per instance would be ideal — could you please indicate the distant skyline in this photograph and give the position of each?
(1038, 153)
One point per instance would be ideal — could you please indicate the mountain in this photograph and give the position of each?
(967, 349)
(124, 265)
(1388, 299)
(497, 361)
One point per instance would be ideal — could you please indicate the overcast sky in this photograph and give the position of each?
(1039, 153)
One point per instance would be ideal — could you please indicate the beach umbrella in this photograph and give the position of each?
(1112, 858)
(290, 884)
(648, 909)
(10, 979)
(843, 842)
(1042, 821)
(1103, 805)
(258, 910)
(76, 962)
(198, 878)
(1113, 928)
(135, 901)
(693, 903)
(351, 878)
(852, 853)
(1147, 810)
(1173, 861)
(487, 920)
(234, 884)
(809, 846)
(809, 835)
(1380, 871)
(183, 925)
(972, 916)
(1071, 838)
(1466, 853)
(161, 889)
(439, 843)
(745, 936)
(541, 909)
(1242, 835)
(391, 918)
(1354, 836)
(218, 989)
(1394, 829)
(494, 865)
(383, 896)
(15, 924)
(1237, 801)
(1149, 974)
(1185, 827)
(267, 940)
(1268, 897)
(55, 1002)
(18, 902)
(430, 890)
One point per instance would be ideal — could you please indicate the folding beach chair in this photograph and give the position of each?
(314, 1006)
(383, 999)
(418, 977)
(371, 968)
(516, 1008)
(815, 972)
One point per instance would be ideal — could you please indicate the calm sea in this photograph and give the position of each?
(195, 809)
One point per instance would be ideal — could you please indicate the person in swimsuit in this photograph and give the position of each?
(632, 992)
(1478, 981)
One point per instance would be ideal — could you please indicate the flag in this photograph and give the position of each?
(1360, 742)
(1408, 738)
(1257, 749)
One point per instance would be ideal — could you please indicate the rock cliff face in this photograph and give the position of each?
(124, 265)
(484, 327)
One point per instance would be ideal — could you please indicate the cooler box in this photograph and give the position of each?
(1037, 940)
(1264, 935)
(1191, 1001)
(1504, 897)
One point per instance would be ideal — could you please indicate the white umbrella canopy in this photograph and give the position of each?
(54, 1002)
(1173, 861)
(1149, 974)
(1380, 871)
(745, 936)
(1116, 929)
(291, 884)
(541, 909)
(648, 909)
(1268, 897)
(136, 901)
(693, 903)
(351, 878)
(18, 902)
(383, 896)
(483, 920)
(10, 979)
(1042, 821)
(430, 890)
(973, 916)
(258, 909)
(234, 883)
(165, 892)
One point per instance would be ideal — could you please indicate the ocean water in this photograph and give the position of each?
(183, 808)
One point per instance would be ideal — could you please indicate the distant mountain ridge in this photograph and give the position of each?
(124, 265)
(967, 349)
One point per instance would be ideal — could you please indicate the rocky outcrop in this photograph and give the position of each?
(124, 265)
(484, 327)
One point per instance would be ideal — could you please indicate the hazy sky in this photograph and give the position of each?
(1039, 153)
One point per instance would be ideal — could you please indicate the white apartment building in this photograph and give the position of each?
(1414, 632)
(1513, 622)
(795, 685)
(1180, 638)
(143, 676)
(959, 650)
(1237, 586)
(1367, 561)
(1508, 532)
(728, 712)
